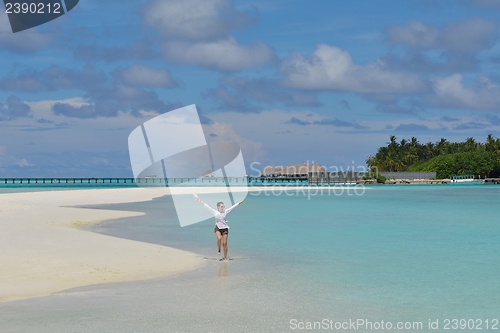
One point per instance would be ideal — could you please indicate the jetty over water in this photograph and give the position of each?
(318, 179)
(24, 181)
(491, 181)
(303, 179)
(153, 181)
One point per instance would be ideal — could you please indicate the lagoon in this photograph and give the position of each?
(398, 254)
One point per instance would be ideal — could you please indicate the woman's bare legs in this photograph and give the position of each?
(224, 243)
(219, 238)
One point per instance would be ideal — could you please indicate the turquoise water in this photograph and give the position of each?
(409, 253)
(63, 186)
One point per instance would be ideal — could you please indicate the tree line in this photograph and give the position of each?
(444, 157)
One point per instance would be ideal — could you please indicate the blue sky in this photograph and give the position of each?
(289, 81)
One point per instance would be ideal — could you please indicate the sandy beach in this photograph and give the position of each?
(46, 249)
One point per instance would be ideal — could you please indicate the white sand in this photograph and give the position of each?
(44, 251)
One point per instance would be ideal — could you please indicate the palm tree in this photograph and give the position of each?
(390, 161)
(392, 145)
(428, 150)
(400, 165)
(403, 143)
(414, 142)
(490, 143)
(440, 147)
(411, 155)
(371, 161)
(470, 144)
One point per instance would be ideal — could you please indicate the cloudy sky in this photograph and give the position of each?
(289, 81)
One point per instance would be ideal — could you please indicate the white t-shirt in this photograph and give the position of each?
(220, 218)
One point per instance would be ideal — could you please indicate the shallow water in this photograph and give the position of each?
(394, 253)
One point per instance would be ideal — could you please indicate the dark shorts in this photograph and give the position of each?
(222, 231)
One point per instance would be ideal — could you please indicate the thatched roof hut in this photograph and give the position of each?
(270, 170)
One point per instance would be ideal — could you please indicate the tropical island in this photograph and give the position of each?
(443, 157)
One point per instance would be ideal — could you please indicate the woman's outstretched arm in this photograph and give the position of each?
(198, 198)
(213, 211)
(233, 206)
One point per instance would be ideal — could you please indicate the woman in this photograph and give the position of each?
(221, 228)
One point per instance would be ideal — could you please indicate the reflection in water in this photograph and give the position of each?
(222, 271)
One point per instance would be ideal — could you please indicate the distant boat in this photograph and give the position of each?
(468, 178)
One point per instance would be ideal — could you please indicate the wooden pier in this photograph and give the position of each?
(417, 181)
(25, 181)
(327, 178)
(121, 181)
(311, 179)
(263, 180)
(491, 181)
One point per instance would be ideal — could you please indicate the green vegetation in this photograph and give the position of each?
(373, 175)
(445, 158)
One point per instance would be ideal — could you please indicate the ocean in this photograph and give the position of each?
(380, 258)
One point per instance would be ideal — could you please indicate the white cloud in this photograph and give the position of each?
(450, 92)
(198, 33)
(252, 150)
(465, 35)
(24, 163)
(195, 20)
(331, 68)
(224, 55)
(145, 76)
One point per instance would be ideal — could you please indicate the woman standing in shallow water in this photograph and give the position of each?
(221, 228)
